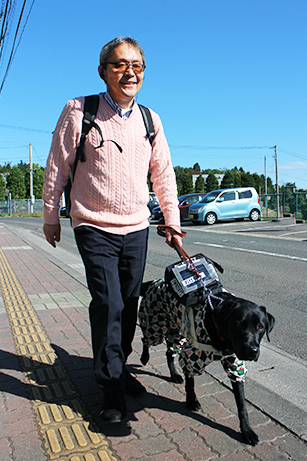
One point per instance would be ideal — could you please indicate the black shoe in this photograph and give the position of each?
(114, 408)
(133, 386)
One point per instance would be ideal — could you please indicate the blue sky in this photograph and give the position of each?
(228, 78)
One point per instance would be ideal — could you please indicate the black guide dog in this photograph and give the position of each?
(231, 323)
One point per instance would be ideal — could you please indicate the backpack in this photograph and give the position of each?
(91, 104)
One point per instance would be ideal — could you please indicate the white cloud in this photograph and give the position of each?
(293, 166)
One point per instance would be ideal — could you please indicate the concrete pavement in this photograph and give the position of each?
(50, 403)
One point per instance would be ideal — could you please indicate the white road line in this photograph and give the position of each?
(293, 233)
(251, 251)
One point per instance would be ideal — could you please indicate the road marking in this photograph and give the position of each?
(17, 248)
(294, 233)
(278, 255)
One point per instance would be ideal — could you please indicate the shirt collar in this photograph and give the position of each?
(124, 114)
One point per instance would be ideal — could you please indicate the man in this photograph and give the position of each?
(109, 210)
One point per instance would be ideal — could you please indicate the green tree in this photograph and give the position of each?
(2, 187)
(24, 167)
(288, 197)
(228, 180)
(38, 180)
(257, 182)
(211, 183)
(196, 167)
(237, 179)
(16, 183)
(6, 168)
(247, 179)
(184, 181)
(270, 186)
(187, 184)
(302, 205)
(200, 184)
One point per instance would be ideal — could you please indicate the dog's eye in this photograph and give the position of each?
(260, 327)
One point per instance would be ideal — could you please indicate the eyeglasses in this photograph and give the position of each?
(123, 66)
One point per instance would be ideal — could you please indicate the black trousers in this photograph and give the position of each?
(114, 266)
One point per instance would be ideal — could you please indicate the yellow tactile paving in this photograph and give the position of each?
(56, 405)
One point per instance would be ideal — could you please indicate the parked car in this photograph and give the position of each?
(184, 203)
(63, 212)
(237, 203)
(153, 201)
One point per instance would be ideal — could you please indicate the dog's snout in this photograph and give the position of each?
(254, 353)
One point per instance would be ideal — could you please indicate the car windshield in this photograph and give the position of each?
(210, 197)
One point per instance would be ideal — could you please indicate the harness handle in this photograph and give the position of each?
(181, 252)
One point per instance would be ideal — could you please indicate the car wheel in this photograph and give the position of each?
(210, 218)
(254, 215)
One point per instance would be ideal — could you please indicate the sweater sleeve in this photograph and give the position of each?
(163, 176)
(61, 158)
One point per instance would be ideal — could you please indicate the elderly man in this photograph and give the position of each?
(109, 210)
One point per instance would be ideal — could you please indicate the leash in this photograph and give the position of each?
(183, 255)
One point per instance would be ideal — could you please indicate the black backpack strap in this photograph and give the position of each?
(91, 104)
(150, 130)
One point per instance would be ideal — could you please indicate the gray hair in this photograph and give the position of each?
(108, 49)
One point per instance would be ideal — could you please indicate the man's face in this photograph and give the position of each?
(123, 86)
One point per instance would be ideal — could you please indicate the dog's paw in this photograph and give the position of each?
(193, 404)
(250, 437)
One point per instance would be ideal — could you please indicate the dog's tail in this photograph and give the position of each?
(145, 286)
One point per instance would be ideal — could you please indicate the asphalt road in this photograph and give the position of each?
(264, 262)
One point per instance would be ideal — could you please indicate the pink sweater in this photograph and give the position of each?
(110, 188)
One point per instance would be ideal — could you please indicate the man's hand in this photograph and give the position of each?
(173, 233)
(52, 233)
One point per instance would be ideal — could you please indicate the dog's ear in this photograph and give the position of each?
(270, 322)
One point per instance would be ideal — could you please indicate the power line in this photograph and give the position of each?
(173, 146)
(25, 129)
(292, 153)
(16, 40)
(14, 147)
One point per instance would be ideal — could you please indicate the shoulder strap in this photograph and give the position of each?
(150, 130)
(91, 104)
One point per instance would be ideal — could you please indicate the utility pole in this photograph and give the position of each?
(277, 187)
(265, 188)
(31, 182)
(265, 178)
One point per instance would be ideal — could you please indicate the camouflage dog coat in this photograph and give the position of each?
(162, 316)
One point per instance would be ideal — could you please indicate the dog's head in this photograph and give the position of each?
(244, 324)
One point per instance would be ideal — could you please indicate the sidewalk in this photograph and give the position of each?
(50, 403)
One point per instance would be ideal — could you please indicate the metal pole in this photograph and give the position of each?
(265, 188)
(277, 187)
(31, 181)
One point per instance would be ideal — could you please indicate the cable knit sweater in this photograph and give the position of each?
(110, 188)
